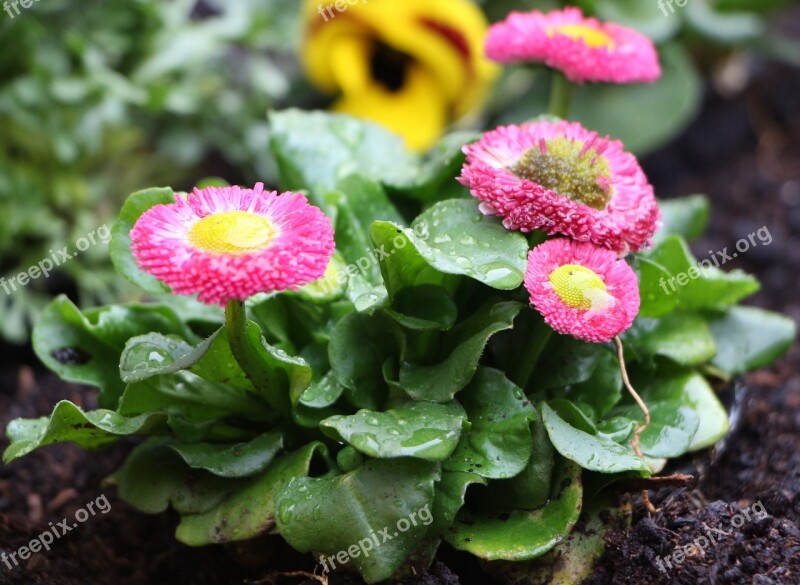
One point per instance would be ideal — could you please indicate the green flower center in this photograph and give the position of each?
(570, 169)
(580, 287)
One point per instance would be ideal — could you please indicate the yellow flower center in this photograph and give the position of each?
(580, 287)
(592, 37)
(570, 169)
(232, 232)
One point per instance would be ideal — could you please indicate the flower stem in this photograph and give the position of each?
(639, 429)
(530, 355)
(247, 356)
(636, 397)
(561, 92)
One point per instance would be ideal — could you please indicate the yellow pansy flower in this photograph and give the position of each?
(412, 66)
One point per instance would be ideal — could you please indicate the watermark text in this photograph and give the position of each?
(376, 539)
(54, 532)
(715, 260)
(54, 260)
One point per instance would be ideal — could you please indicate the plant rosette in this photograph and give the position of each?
(426, 374)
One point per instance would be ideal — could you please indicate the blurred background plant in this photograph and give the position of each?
(100, 99)
(103, 98)
(718, 40)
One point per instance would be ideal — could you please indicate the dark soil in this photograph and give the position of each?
(744, 152)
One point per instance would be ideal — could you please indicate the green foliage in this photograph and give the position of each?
(417, 429)
(520, 535)
(120, 245)
(625, 112)
(422, 400)
(114, 97)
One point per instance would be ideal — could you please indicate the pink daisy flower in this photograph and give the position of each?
(584, 49)
(562, 179)
(582, 290)
(226, 243)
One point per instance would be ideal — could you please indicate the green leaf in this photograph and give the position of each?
(604, 389)
(646, 17)
(316, 150)
(239, 460)
(519, 534)
(672, 427)
(619, 429)
(575, 559)
(700, 285)
(573, 415)
(724, 27)
(683, 216)
(594, 452)
(359, 346)
(249, 510)
(68, 423)
(463, 347)
(154, 477)
(120, 246)
(322, 392)
(642, 116)
(86, 347)
(364, 198)
(748, 338)
(423, 308)
(191, 396)
(498, 444)
(216, 363)
(567, 361)
(154, 354)
(442, 162)
(451, 490)
(426, 430)
(682, 337)
(199, 316)
(285, 377)
(461, 240)
(748, 5)
(401, 263)
(359, 203)
(530, 489)
(680, 391)
(651, 275)
(389, 500)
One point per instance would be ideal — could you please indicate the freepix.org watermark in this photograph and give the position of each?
(56, 531)
(376, 539)
(14, 5)
(326, 12)
(716, 260)
(668, 6)
(372, 257)
(712, 535)
(56, 258)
